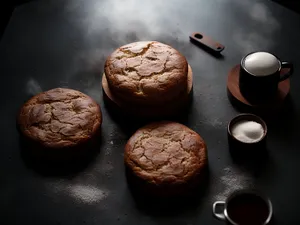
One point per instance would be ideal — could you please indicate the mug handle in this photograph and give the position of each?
(219, 215)
(288, 65)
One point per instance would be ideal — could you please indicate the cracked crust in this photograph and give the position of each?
(60, 118)
(146, 72)
(169, 108)
(166, 155)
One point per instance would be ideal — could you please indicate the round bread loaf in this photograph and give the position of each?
(146, 73)
(166, 158)
(169, 108)
(60, 119)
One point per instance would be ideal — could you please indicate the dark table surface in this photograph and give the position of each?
(50, 44)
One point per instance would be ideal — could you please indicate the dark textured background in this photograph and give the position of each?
(50, 44)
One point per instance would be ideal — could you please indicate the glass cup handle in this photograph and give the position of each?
(290, 71)
(219, 215)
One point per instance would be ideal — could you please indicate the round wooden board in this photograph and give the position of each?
(169, 109)
(234, 91)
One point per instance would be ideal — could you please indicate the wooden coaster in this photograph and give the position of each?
(170, 108)
(234, 91)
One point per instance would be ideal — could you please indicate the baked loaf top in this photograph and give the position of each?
(60, 118)
(146, 72)
(166, 153)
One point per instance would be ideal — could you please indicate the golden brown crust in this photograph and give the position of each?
(146, 72)
(60, 118)
(166, 154)
(169, 108)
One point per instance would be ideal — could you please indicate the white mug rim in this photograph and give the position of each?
(241, 192)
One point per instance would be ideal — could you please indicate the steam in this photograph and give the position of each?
(33, 87)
